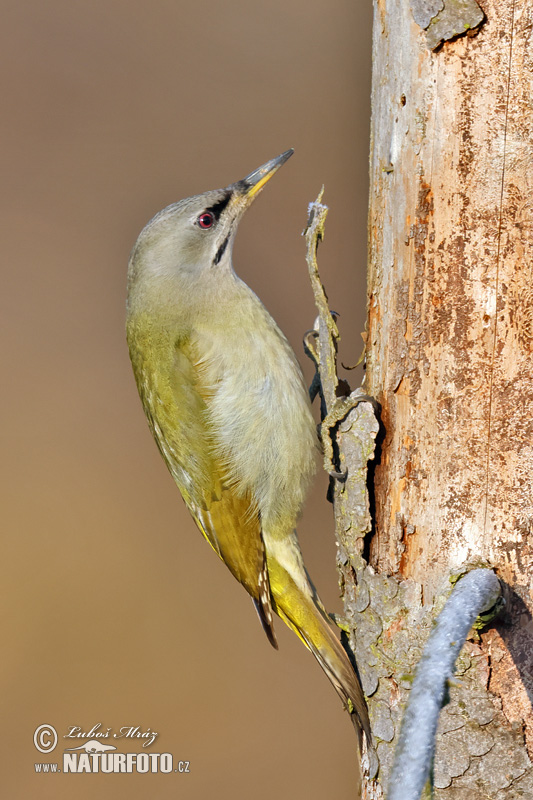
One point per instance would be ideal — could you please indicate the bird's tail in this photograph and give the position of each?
(295, 600)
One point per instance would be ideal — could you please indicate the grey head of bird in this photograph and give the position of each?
(184, 242)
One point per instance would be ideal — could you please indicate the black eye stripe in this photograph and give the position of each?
(217, 208)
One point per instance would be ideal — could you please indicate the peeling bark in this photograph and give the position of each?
(446, 20)
(450, 361)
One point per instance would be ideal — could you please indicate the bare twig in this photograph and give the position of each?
(349, 429)
(328, 333)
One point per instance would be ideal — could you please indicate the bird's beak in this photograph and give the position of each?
(250, 186)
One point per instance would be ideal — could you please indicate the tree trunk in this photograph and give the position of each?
(449, 359)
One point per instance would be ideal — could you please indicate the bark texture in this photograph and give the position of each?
(450, 361)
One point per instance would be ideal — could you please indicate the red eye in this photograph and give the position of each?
(205, 220)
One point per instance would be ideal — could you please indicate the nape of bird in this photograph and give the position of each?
(228, 408)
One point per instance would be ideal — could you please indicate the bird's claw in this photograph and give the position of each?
(341, 622)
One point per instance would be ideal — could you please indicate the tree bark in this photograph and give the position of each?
(449, 359)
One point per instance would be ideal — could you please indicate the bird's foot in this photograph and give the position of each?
(341, 622)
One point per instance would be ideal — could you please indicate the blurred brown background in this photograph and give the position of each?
(114, 608)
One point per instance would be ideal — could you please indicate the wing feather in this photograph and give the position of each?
(176, 402)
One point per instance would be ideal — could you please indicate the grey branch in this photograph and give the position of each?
(349, 428)
(475, 593)
(328, 333)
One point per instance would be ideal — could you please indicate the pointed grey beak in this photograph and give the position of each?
(254, 182)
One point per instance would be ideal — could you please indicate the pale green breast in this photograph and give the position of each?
(259, 410)
(229, 391)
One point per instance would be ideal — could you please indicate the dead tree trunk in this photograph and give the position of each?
(450, 361)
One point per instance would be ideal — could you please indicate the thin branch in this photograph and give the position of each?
(328, 333)
(348, 431)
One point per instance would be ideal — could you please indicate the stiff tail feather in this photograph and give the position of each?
(301, 609)
(321, 640)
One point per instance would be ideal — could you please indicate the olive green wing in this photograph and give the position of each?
(226, 523)
(176, 402)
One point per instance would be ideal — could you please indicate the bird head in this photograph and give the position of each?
(192, 237)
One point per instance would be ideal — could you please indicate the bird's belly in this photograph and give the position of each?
(265, 433)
